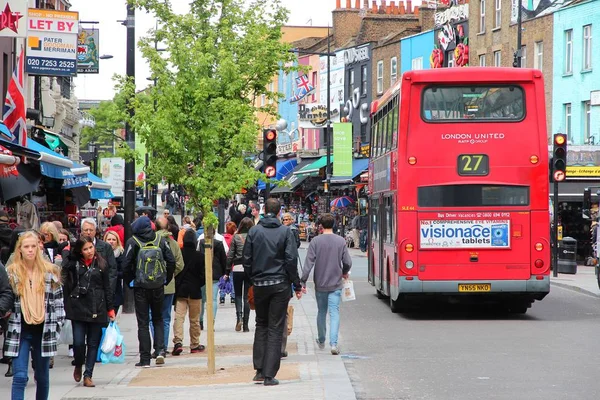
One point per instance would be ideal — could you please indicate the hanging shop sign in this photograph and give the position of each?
(342, 149)
(314, 115)
(52, 43)
(113, 173)
(88, 43)
(13, 18)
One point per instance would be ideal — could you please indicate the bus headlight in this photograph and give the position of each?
(409, 264)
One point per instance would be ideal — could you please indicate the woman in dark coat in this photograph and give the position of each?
(88, 303)
(188, 292)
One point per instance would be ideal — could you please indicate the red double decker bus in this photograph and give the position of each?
(458, 183)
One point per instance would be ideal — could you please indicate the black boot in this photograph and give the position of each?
(246, 329)
(238, 324)
(9, 372)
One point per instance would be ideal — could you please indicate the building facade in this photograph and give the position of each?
(415, 51)
(358, 92)
(576, 95)
(451, 36)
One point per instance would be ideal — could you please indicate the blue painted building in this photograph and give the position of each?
(415, 51)
(576, 76)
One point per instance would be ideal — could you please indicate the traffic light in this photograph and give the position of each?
(270, 152)
(587, 203)
(559, 157)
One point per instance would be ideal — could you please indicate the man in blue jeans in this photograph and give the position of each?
(329, 256)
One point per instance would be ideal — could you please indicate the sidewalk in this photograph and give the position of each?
(583, 281)
(307, 372)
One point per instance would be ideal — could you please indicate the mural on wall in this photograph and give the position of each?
(356, 107)
(451, 36)
(531, 8)
(303, 89)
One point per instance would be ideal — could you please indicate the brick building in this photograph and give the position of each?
(493, 38)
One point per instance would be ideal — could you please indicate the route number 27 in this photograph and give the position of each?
(473, 164)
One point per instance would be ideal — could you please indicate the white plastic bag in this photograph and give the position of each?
(348, 291)
(66, 333)
(110, 338)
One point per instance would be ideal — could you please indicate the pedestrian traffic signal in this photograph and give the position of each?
(270, 152)
(559, 157)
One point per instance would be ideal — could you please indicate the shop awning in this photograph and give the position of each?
(294, 181)
(284, 168)
(573, 191)
(80, 178)
(27, 181)
(19, 150)
(99, 190)
(52, 164)
(314, 167)
(359, 165)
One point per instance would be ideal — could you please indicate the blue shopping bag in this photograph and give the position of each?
(117, 354)
(100, 345)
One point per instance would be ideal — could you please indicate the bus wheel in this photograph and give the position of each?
(398, 305)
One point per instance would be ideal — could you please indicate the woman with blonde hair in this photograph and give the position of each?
(38, 314)
(51, 240)
(113, 238)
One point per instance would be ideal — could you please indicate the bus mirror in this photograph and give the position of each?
(587, 203)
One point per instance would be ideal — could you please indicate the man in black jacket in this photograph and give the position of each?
(146, 298)
(270, 259)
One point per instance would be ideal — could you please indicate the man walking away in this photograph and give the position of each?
(149, 264)
(329, 255)
(270, 259)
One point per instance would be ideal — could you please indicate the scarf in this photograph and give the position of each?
(32, 302)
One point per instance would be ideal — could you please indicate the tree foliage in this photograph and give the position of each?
(200, 122)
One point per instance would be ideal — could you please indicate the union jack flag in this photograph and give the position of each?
(14, 105)
(303, 89)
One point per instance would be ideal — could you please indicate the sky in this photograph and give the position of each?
(113, 36)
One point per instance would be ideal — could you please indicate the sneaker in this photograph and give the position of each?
(222, 300)
(259, 377)
(284, 354)
(142, 365)
(178, 349)
(160, 359)
(232, 300)
(198, 349)
(335, 350)
(71, 354)
(321, 345)
(271, 382)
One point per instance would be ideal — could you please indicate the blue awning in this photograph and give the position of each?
(80, 178)
(284, 168)
(99, 190)
(359, 165)
(52, 164)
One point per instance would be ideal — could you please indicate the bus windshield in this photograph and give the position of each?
(473, 103)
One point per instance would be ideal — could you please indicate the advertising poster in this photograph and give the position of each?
(112, 171)
(13, 18)
(342, 149)
(88, 43)
(52, 43)
(465, 234)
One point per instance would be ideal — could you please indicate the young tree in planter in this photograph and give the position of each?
(200, 122)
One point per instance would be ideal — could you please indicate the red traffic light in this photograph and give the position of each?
(560, 139)
(270, 171)
(270, 135)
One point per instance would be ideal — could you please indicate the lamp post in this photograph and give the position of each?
(129, 133)
(327, 135)
(93, 150)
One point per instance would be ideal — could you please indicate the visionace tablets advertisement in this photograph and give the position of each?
(464, 234)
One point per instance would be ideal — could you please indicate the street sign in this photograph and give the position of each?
(559, 176)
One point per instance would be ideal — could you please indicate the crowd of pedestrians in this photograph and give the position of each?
(51, 275)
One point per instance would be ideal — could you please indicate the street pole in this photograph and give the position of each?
(147, 188)
(327, 131)
(128, 306)
(555, 244)
(95, 160)
(519, 34)
(210, 331)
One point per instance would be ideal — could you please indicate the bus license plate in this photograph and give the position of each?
(474, 287)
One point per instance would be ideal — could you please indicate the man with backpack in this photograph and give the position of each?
(149, 265)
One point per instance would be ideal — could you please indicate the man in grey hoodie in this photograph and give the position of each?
(329, 255)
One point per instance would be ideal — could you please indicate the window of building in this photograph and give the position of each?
(587, 47)
(263, 99)
(569, 51)
(379, 77)
(417, 63)
(538, 55)
(497, 58)
(482, 16)
(351, 81)
(451, 62)
(393, 70)
(523, 56)
(482, 60)
(498, 14)
(568, 120)
(587, 114)
(363, 80)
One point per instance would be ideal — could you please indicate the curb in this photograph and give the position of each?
(574, 288)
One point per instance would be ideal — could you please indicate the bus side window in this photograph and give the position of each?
(374, 208)
(389, 218)
(395, 117)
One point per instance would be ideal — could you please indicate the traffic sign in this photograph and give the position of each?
(559, 176)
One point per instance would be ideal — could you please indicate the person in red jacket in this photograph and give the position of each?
(116, 225)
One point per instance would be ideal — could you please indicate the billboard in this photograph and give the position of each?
(88, 43)
(342, 149)
(13, 18)
(52, 43)
(464, 234)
